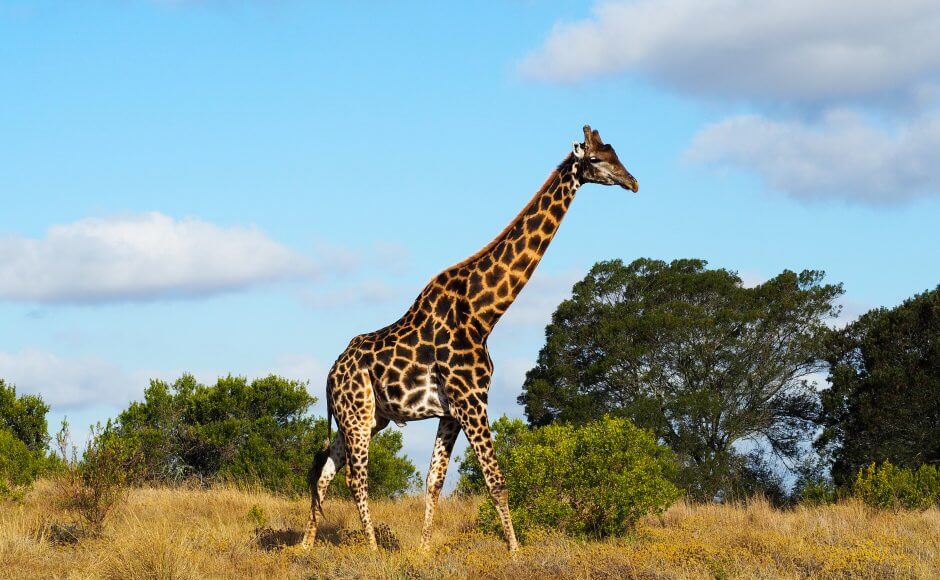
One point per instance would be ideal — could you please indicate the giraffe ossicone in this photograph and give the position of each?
(433, 361)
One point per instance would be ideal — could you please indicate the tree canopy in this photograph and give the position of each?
(24, 440)
(884, 399)
(25, 417)
(692, 354)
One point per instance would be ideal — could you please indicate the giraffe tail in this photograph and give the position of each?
(313, 477)
(319, 460)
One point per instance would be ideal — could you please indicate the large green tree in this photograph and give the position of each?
(691, 353)
(884, 399)
(235, 430)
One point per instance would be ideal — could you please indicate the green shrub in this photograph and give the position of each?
(19, 466)
(593, 480)
(25, 417)
(24, 441)
(817, 492)
(257, 432)
(257, 516)
(891, 487)
(234, 430)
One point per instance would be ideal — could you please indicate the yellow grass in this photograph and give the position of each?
(176, 533)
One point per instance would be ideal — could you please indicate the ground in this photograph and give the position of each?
(190, 533)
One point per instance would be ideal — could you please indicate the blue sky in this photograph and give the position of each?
(240, 187)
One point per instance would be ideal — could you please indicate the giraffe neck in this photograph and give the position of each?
(499, 271)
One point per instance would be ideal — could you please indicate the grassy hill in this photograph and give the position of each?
(180, 533)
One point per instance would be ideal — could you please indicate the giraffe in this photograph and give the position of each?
(433, 362)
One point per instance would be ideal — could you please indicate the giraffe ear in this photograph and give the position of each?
(578, 149)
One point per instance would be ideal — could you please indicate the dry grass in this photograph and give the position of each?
(166, 533)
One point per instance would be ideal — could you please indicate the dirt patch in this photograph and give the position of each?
(271, 539)
(59, 534)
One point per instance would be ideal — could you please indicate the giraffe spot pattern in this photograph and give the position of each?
(433, 361)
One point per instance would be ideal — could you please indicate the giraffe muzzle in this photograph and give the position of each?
(629, 182)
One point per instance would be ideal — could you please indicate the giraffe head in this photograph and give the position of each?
(599, 162)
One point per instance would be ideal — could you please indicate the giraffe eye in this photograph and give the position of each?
(593, 159)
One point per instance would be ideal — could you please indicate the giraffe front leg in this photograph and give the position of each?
(358, 465)
(476, 425)
(447, 431)
(325, 465)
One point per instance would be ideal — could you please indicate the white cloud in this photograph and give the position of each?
(751, 278)
(300, 367)
(838, 62)
(391, 257)
(69, 383)
(850, 311)
(354, 283)
(75, 383)
(778, 50)
(141, 257)
(363, 293)
(385, 256)
(842, 156)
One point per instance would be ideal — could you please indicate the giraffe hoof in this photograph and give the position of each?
(306, 542)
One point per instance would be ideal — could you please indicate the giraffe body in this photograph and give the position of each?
(434, 362)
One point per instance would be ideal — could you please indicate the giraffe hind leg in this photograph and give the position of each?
(354, 410)
(447, 432)
(358, 465)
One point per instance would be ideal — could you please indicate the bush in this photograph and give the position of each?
(93, 486)
(233, 430)
(891, 487)
(19, 466)
(593, 480)
(257, 432)
(25, 417)
(817, 492)
(24, 441)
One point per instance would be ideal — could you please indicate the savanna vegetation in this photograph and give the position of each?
(183, 532)
(672, 431)
(716, 370)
